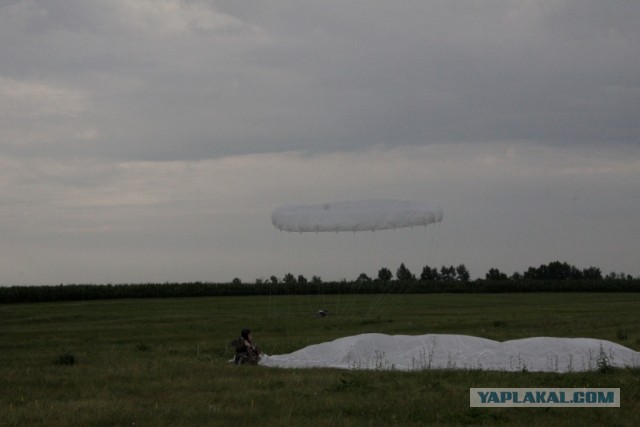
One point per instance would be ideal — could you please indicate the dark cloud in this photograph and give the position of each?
(178, 80)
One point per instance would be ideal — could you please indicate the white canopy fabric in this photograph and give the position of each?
(436, 351)
(365, 215)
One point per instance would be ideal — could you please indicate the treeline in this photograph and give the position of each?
(554, 271)
(554, 277)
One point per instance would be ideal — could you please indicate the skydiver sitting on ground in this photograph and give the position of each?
(246, 350)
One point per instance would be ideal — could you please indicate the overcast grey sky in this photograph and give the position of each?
(149, 140)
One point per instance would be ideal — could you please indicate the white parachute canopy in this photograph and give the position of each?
(443, 351)
(364, 215)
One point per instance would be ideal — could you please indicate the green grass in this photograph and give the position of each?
(163, 362)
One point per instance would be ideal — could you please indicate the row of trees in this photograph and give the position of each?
(552, 277)
(555, 270)
(403, 274)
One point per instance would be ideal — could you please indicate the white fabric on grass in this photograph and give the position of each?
(440, 351)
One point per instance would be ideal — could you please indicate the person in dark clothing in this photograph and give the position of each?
(247, 352)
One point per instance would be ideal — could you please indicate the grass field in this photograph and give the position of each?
(163, 362)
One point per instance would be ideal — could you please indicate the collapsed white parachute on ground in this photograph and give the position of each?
(443, 351)
(365, 215)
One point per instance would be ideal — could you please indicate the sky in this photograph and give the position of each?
(150, 140)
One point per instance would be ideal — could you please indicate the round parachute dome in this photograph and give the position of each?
(365, 215)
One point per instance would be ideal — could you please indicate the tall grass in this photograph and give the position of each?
(163, 362)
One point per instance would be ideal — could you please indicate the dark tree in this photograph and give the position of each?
(316, 279)
(429, 274)
(385, 274)
(273, 280)
(289, 279)
(575, 274)
(495, 274)
(236, 281)
(448, 273)
(555, 270)
(302, 280)
(618, 276)
(463, 273)
(592, 273)
(403, 274)
(363, 278)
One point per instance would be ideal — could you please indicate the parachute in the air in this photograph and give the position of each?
(365, 215)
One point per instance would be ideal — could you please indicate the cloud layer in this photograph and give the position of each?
(148, 140)
(173, 79)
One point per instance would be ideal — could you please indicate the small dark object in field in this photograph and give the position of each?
(322, 313)
(66, 358)
(142, 346)
(499, 323)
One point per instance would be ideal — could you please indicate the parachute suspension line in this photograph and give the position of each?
(269, 301)
(285, 295)
(307, 298)
(334, 261)
(345, 293)
(377, 303)
(380, 298)
(350, 296)
(434, 245)
(374, 298)
(276, 241)
(355, 216)
(354, 299)
(385, 301)
(317, 258)
(272, 308)
(322, 294)
(313, 289)
(373, 303)
(348, 290)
